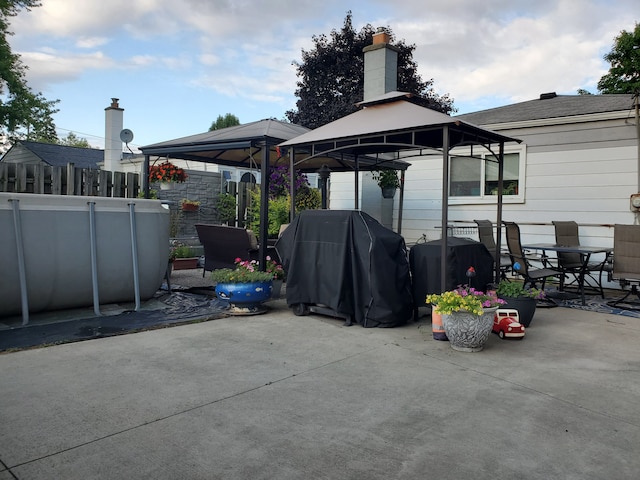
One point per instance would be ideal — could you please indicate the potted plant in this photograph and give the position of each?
(166, 173)
(520, 298)
(153, 194)
(189, 205)
(467, 316)
(245, 287)
(387, 180)
(226, 208)
(182, 256)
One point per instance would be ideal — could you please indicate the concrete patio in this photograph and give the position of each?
(279, 396)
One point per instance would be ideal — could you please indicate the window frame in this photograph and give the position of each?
(485, 198)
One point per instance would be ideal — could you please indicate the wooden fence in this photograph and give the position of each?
(69, 180)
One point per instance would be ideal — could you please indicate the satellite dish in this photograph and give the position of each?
(126, 135)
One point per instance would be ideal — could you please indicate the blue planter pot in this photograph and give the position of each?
(245, 295)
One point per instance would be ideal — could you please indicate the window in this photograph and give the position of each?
(477, 177)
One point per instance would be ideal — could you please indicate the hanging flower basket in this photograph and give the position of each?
(189, 205)
(165, 173)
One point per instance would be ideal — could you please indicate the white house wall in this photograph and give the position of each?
(583, 171)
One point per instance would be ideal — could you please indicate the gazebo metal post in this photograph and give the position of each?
(264, 205)
(145, 177)
(292, 183)
(445, 208)
(356, 183)
(499, 213)
(400, 209)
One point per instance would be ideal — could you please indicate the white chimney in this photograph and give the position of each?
(380, 66)
(112, 143)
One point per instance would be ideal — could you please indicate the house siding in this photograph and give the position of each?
(582, 171)
(20, 154)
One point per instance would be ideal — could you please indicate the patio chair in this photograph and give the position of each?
(626, 264)
(485, 234)
(223, 244)
(521, 264)
(571, 264)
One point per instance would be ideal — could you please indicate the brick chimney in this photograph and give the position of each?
(112, 144)
(380, 66)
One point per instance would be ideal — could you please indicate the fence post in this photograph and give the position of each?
(104, 183)
(118, 184)
(4, 177)
(56, 180)
(38, 178)
(21, 178)
(133, 185)
(71, 179)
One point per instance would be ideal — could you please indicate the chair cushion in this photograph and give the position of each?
(253, 240)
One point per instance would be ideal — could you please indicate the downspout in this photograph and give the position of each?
(445, 208)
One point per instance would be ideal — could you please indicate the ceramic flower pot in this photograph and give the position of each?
(245, 297)
(525, 306)
(468, 332)
(388, 192)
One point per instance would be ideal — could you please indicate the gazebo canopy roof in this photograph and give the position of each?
(386, 127)
(241, 146)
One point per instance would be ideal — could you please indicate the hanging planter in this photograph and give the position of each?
(189, 205)
(387, 181)
(388, 192)
(166, 173)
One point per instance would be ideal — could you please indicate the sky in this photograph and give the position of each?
(176, 65)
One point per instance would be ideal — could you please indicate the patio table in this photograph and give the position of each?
(584, 251)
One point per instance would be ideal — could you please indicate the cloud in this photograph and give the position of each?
(516, 53)
(503, 50)
(49, 67)
(91, 42)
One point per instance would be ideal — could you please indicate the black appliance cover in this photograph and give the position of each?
(462, 253)
(349, 262)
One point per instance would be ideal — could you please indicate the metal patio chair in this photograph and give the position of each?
(626, 264)
(485, 234)
(572, 264)
(521, 264)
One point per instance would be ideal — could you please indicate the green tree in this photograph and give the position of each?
(23, 113)
(624, 57)
(72, 140)
(229, 120)
(331, 77)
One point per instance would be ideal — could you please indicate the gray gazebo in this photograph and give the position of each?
(391, 128)
(256, 145)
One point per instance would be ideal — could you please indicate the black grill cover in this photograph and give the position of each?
(462, 253)
(349, 262)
